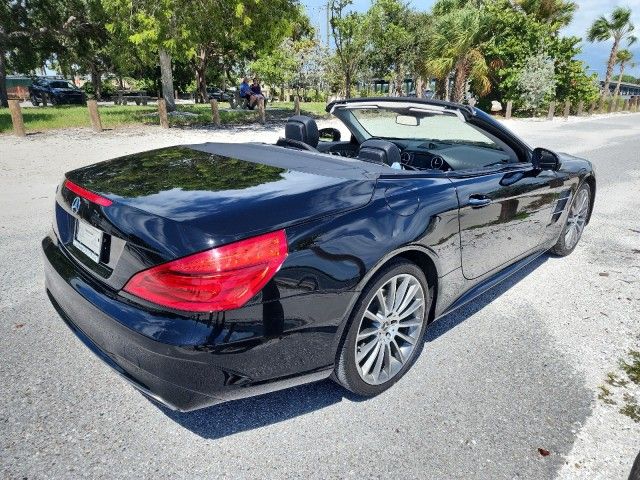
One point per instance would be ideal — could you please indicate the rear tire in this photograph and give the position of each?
(576, 221)
(385, 336)
(34, 100)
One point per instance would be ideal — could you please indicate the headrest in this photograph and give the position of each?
(379, 151)
(303, 129)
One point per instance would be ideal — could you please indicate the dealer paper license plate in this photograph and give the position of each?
(88, 240)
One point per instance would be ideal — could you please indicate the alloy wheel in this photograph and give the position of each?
(389, 329)
(577, 219)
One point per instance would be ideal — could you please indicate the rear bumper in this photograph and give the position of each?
(185, 363)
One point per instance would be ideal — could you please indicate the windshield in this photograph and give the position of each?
(393, 125)
(61, 84)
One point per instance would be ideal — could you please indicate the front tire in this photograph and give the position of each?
(386, 330)
(576, 221)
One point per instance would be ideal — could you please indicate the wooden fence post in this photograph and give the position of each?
(509, 108)
(552, 111)
(215, 112)
(16, 118)
(580, 108)
(567, 109)
(162, 111)
(296, 105)
(96, 123)
(261, 111)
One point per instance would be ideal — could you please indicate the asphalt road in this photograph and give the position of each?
(512, 372)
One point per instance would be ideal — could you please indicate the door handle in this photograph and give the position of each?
(479, 201)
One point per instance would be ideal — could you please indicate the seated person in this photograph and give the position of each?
(255, 87)
(247, 93)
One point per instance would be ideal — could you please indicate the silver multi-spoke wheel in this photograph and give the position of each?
(577, 219)
(389, 329)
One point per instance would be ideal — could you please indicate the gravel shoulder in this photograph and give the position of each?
(517, 370)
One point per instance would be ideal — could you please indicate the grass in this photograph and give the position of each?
(631, 369)
(68, 116)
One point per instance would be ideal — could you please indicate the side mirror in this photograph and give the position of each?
(329, 134)
(543, 159)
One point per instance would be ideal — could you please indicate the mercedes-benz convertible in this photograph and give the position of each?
(204, 273)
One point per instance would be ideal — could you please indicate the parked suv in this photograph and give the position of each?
(57, 92)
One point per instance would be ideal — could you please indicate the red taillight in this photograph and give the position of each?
(222, 278)
(84, 193)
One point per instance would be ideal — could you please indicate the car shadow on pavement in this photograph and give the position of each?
(453, 319)
(241, 415)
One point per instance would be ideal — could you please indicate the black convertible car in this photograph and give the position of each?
(203, 273)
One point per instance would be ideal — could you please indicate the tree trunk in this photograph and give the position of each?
(440, 89)
(4, 97)
(447, 88)
(97, 82)
(166, 76)
(347, 84)
(460, 81)
(612, 61)
(617, 92)
(399, 82)
(419, 87)
(201, 80)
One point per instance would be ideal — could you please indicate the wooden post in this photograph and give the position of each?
(16, 118)
(552, 111)
(261, 111)
(509, 108)
(215, 113)
(636, 104)
(162, 111)
(580, 108)
(567, 109)
(625, 107)
(96, 123)
(592, 108)
(296, 105)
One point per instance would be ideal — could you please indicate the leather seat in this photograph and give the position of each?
(301, 132)
(379, 151)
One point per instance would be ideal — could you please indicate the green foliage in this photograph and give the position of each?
(457, 45)
(390, 49)
(536, 82)
(351, 38)
(517, 36)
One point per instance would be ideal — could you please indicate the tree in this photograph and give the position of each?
(516, 37)
(557, 13)
(536, 81)
(245, 30)
(619, 28)
(158, 28)
(623, 58)
(457, 46)
(391, 40)
(350, 40)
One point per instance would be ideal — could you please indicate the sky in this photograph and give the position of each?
(595, 55)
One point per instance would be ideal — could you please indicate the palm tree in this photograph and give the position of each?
(456, 46)
(558, 13)
(622, 58)
(619, 28)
